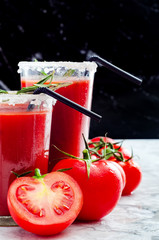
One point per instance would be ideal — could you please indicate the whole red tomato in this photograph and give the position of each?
(132, 172)
(45, 205)
(100, 181)
(133, 176)
(115, 152)
(99, 142)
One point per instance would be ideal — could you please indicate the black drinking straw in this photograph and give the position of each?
(68, 102)
(115, 69)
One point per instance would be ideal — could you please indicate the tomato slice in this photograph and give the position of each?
(46, 205)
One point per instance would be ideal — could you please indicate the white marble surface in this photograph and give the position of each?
(136, 217)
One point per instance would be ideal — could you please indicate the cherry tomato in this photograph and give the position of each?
(132, 172)
(101, 188)
(45, 205)
(131, 169)
(97, 144)
(94, 142)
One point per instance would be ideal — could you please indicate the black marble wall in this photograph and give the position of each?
(125, 33)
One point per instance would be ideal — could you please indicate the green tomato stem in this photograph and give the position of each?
(86, 154)
(38, 174)
(88, 160)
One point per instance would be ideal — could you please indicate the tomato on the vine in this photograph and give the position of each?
(132, 172)
(100, 181)
(110, 150)
(45, 205)
(133, 176)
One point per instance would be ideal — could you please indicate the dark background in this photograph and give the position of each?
(125, 33)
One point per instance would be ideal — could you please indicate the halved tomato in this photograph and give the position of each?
(45, 205)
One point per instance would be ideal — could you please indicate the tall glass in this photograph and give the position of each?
(25, 123)
(68, 124)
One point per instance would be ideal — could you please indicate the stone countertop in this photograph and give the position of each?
(136, 217)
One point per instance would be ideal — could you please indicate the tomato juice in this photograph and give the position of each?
(68, 124)
(24, 141)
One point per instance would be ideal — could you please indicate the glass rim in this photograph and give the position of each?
(81, 66)
(12, 98)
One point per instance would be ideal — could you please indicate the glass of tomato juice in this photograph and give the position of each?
(25, 123)
(75, 81)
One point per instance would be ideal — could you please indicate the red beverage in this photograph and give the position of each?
(24, 142)
(68, 124)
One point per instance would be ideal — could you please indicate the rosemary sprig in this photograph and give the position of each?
(69, 72)
(50, 85)
(3, 91)
(41, 83)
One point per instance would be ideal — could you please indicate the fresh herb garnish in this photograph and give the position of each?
(69, 72)
(50, 85)
(41, 83)
(5, 100)
(3, 91)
